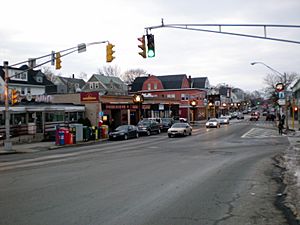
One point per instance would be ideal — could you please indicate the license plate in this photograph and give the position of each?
(114, 136)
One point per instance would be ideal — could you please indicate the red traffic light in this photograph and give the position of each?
(295, 108)
(279, 87)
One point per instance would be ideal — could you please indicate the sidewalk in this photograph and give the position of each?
(43, 146)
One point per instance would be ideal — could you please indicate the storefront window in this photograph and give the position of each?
(73, 116)
(2, 119)
(19, 119)
(54, 117)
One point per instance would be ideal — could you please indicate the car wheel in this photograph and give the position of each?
(190, 133)
(169, 135)
(159, 131)
(184, 133)
(137, 135)
(125, 137)
(148, 132)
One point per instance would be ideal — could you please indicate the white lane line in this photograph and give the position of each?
(247, 133)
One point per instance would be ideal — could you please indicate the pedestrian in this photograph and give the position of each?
(280, 127)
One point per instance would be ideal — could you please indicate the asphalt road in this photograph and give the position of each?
(216, 176)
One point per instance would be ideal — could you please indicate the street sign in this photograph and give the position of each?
(281, 101)
(281, 95)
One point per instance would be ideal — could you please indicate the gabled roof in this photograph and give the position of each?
(68, 80)
(168, 82)
(31, 76)
(172, 81)
(108, 79)
(137, 84)
(199, 82)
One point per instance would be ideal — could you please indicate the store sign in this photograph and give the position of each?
(43, 98)
(89, 97)
(123, 106)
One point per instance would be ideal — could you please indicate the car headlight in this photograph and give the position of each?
(207, 124)
(122, 133)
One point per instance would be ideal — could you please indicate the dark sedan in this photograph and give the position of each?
(124, 132)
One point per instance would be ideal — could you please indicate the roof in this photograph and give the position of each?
(32, 74)
(108, 79)
(172, 81)
(168, 82)
(137, 84)
(199, 82)
(68, 80)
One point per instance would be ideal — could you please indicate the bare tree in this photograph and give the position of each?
(272, 79)
(110, 71)
(82, 75)
(49, 73)
(129, 76)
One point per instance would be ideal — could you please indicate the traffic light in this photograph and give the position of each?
(295, 108)
(150, 45)
(109, 52)
(142, 46)
(14, 97)
(57, 61)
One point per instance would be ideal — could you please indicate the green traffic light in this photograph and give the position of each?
(151, 53)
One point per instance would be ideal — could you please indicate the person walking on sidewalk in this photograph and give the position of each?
(280, 127)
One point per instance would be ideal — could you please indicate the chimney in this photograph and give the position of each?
(190, 81)
(73, 76)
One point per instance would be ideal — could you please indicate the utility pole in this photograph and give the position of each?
(7, 141)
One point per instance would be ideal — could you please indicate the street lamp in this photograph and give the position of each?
(138, 99)
(193, 104)
(253, 63)
(284, 83)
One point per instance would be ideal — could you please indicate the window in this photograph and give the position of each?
(91, 86)
(28, 90)
(96, 85)
(184, 97)
(155, 86)
(39, 79)
(22, 91)
(149, 86)
(170, 95)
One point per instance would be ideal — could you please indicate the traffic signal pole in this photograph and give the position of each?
(7, 142)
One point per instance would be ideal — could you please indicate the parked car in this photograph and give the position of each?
(124, 132)
(213, 122)
(148, 126)
(158, 120)
(167, 123)
(224, 120)
(180, 129)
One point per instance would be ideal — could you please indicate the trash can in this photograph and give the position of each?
(61, 135)
(104, 131)
(85, 133)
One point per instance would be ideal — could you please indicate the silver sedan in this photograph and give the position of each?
(180, 129)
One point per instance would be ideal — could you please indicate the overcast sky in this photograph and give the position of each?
(34, 28)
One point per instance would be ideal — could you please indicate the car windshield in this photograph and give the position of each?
(120, 128)
(144, 122)
(213, 120)
(223, 117)
(166, 119)
(179, 125)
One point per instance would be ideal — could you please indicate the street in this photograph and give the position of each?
(216, 176)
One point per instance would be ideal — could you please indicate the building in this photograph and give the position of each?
(176, 87)
(26, 81)
(64, 85)
(105, 85)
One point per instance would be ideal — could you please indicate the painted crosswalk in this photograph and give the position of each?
(261, 133)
